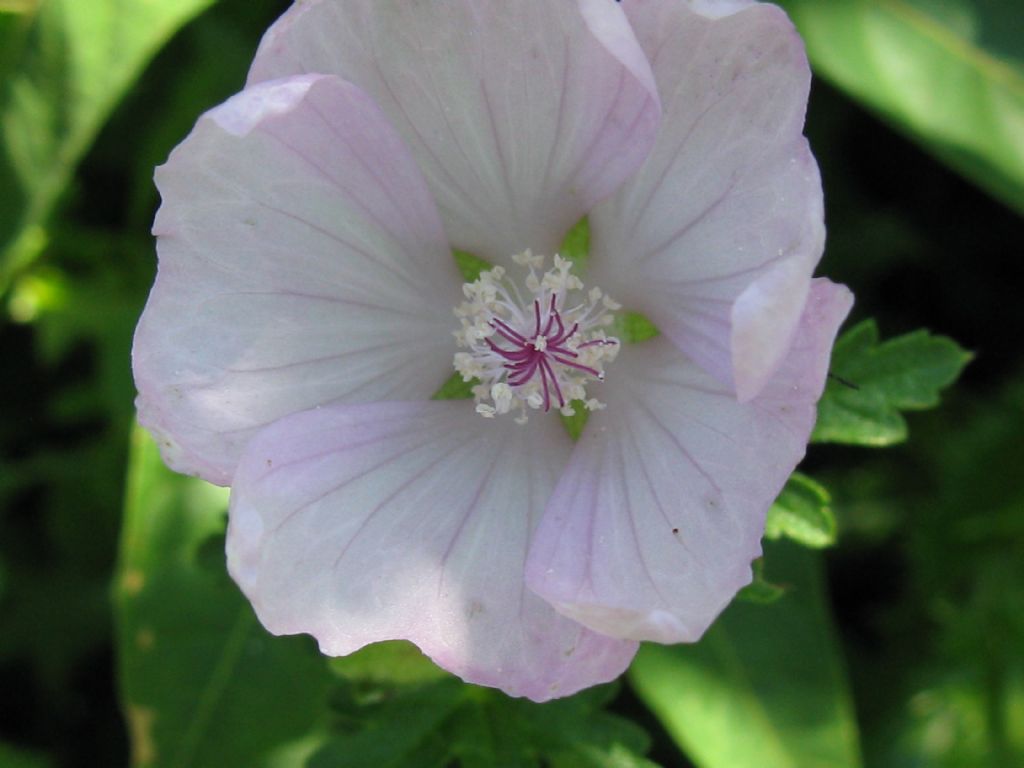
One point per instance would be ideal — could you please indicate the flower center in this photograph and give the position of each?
(536, 348)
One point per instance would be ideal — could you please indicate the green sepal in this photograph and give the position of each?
(760, 590)
(455, 388)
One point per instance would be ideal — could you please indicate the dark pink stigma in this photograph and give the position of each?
(524, 360)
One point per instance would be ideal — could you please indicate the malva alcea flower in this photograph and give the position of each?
(302, 319)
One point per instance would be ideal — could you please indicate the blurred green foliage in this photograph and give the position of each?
(67, 392)
(925, 541)
(939, 658)
(950, 73)
(64, 67)
(766, 686)
(202, 684)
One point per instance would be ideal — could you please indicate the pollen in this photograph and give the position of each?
(536, 344)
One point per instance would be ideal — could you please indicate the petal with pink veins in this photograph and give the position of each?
(301, 262)
(716, 237)
(653, 526)
(361, 523)
(522, 113)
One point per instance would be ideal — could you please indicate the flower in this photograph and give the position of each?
(301, 320)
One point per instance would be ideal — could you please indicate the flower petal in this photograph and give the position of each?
(522, 113)
(411, 521)
(652, 528)
(716, 237)
(302, 262)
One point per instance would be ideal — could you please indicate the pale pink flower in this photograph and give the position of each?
(303, 317)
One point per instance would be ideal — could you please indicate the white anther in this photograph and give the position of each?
(534, 349)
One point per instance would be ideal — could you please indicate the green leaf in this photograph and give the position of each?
(765, 687)
(62, 71)
(202, 683)
(873, 382)
(566, 733)
(442, 722)
(949, 73)
(381, 725)
(802, 513)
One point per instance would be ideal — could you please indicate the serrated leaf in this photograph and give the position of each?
(202, 683)
(872, 382)
(765, 687)
(802, 513)
(949, 74)
(62, 71)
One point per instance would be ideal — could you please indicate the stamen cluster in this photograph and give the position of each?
(536, 349)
